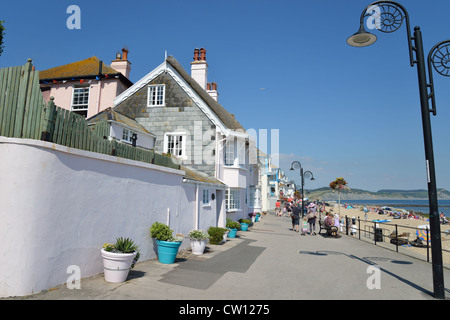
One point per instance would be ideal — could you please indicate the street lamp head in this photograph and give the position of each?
(362, 38)
(295, 164)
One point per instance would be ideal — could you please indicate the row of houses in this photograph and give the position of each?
(160, 149)
(179, 115)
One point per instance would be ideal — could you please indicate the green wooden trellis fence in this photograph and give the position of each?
(25, 114)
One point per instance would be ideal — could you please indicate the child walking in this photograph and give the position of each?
(304, 226)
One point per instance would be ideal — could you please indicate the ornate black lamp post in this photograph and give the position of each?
(308, 175)
(388, 16)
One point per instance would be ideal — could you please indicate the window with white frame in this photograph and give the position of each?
(234, 152)
(252, 194)
(175, 144)
(80, 100)
(205, 197)
(156, 95)
(127, 135)
(232, 199)
(229, 152)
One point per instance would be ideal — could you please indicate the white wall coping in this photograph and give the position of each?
(88, 154)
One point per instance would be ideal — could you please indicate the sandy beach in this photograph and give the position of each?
(389, 227)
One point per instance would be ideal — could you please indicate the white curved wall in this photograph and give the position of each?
(58, 206)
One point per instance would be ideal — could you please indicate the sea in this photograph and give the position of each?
(419, 206)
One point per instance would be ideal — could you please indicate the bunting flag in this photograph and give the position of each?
(54, 81)
(81, 81)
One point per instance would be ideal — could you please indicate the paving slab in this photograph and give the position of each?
(269, 262)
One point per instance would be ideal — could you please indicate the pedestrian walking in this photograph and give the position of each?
(342, 224)
(288, 208)
(304, 226)
(278, 208)
(295, 215)
(312, 217)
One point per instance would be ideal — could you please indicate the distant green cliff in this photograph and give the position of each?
(326, 193)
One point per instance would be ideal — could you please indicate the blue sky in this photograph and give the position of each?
(341, 111)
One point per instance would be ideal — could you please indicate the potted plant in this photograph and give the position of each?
(167, 244)
(118, 259)
(198, 238)
(234, 226)
(252, 216)
(217, 235)
(244, 224)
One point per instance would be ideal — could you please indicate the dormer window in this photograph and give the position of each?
(156, 95)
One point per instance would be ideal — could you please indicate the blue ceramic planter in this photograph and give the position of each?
(244, 226)
(167, 251)
(232, 233)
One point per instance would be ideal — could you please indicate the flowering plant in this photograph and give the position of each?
(198, 235)
(178, 237)
(339, 184)
(233, 224)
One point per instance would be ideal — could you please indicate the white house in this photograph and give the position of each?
(183, 112)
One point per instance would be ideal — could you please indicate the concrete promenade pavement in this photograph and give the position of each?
(269, 262)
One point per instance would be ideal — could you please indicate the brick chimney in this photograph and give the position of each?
(199, 68)
(121, 63)
(212, 90)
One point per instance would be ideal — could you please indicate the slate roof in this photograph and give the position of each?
(109, 114)
(200, 176)
(87, 68)
(226, 117)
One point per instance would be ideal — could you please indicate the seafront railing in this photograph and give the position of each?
(378, 232)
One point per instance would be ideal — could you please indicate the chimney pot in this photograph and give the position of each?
(212, 90)
(121, 63)
(124, 54)
(203, 54)
(196, 53)
(208, 86)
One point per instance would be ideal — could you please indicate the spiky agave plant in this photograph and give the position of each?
(126, 245)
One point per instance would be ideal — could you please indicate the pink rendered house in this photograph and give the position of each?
(87, 87)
